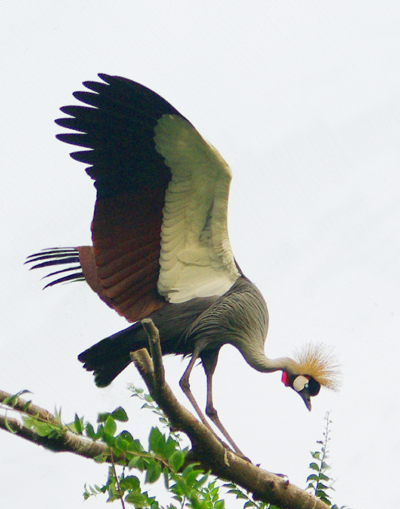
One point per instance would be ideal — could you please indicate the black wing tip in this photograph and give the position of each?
(54, 257)
(67, 110)
(105, 77)
(51, 250)
(113, 78)
(81, 95)
(72, 278)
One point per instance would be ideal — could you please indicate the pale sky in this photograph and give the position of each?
(302, 100)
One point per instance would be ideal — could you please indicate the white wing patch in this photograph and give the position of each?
(196, 257)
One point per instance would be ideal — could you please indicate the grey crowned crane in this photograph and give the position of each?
(160, 243)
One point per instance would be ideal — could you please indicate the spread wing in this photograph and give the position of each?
(160, 223)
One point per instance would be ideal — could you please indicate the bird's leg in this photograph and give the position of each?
(209, 364)
(185, 386)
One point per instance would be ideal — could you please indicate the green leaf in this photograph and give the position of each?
(135, 446)
(109, 440)
(153, 472)
(325, 500)
(90, 431)
(110, 427)
(238, 494)
(213, 491)
(27, 405)
(121, 443)
(156, 440)
(43, 429)
(136, 390)
(312, 477)
(78, 425)
(125, 442)
(169, 448)
(137, 499)
(220, 504)
(190, 475)
(176, 460)
(134, 462)
(165, 472)
(9, 427)
(12, 400)
(314, 466)
(202, 479)
(195, 503)
(249, 503)
(119, 414)
(130, 482)
(102, 417)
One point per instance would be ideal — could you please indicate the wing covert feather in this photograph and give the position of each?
(196, 258)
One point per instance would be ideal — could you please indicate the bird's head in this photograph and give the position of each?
(312, 368)
(305, 386)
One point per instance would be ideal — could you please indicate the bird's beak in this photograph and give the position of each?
(307, 400)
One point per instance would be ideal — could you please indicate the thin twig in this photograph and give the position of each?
(116, 479)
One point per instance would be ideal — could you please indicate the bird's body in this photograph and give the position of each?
(183, 326)
(160, 242)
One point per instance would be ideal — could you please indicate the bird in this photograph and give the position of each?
(160, 244)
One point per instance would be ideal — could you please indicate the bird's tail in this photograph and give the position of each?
(111, 355)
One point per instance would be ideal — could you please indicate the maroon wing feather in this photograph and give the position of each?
(126, 241)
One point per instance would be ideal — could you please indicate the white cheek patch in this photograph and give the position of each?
(299, 383)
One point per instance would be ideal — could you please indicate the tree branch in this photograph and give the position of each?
(64, 441)
(206, 447)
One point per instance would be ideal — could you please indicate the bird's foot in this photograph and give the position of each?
(237, 453)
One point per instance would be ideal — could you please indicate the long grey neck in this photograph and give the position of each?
(243, 316)
(260, 362)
